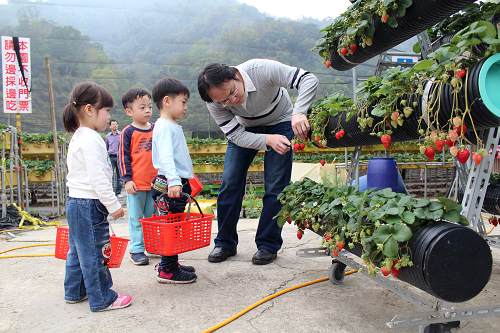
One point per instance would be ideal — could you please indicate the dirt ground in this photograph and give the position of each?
(31, 293)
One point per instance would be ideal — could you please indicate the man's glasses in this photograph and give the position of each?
(227, 101)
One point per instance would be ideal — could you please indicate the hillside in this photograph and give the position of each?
(121, 44)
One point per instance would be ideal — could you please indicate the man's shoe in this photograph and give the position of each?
(139, 259)
(263, 257)
(220, 254)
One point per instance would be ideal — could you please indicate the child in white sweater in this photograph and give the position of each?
(91, 199)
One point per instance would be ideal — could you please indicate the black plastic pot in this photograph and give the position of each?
(420, 16)
(450, 261)
(491, 203)
(482, 99)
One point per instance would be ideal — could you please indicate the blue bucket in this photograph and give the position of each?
(382, 173)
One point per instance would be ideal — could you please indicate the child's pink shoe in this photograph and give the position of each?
(121, 302)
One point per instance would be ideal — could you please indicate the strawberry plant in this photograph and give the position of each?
(386, 98)
(382, 222)
(355, 27)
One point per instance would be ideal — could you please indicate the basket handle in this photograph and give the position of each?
(189, 205)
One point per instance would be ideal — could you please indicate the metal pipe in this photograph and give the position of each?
(13, 141)
(26, 189)
(52, 189)
(3, 198)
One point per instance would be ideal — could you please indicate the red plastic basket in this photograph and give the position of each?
(176, 233)
(118, 247)
(62, 245)
(196, 186)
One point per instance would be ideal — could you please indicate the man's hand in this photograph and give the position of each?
(130, 187)
(119, 213)
(174, 191)
(278, 142)
(300, 125)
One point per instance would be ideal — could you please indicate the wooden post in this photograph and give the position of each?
(54, 136)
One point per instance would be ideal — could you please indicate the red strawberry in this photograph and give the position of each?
(386, 140)
(385, 17)
(460, 129)
(494, 221)
(341, 133)
(317, 139)
(296, 147)
(450, 143)
(430, 152)
(463, 155)
(460, 73)
(439, 144)
(302, 146)
(477, 158)
(299, 234)
(384, 271)
(395, 272)
(337, 135)
(288, 220)
(328, 64)
(340, 245)
(344, 51)
(353, 47)
(335, 252)
(322, 162)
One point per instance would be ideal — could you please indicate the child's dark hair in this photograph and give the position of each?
(214, 75)
(82, 94)
(168, 86)
(132, 94)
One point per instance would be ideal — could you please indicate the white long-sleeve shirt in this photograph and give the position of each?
(89, 169)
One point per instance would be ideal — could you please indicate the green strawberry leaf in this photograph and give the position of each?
(381, 234)
(435, 205)
(392, 219)
(401, 233)
(408, 217)
(452, 216)
(390, 248)
(422, 203)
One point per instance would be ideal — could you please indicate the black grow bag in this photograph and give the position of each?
(482, 117)
(491, 203)
(450, 261)
(420, 16)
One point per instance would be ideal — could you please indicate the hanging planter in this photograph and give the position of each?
(439, 100)
(385, 23)
(393, 232)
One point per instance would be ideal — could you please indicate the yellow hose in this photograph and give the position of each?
(25, 246)
(491, 229)
(227, 321)
(26, 255)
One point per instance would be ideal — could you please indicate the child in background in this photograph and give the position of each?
(91, 198)
(171, 158)
(136, 167)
